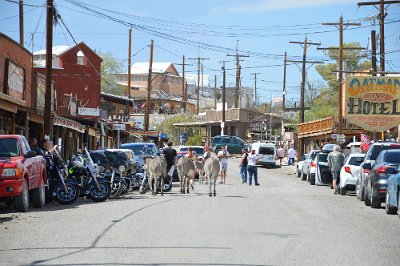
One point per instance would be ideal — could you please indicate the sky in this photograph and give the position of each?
(261, 29)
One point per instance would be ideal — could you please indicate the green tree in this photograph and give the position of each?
(326, 103)
(109, 67)
(167, 126)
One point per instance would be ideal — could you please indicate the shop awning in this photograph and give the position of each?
(67, 123)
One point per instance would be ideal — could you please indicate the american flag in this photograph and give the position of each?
(276, 100)
(365, 142)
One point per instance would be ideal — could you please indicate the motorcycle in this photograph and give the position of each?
(84, 174)
(59, 188)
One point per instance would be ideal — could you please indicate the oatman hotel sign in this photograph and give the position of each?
(373, 103)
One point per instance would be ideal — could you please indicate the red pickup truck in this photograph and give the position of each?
(22, 173)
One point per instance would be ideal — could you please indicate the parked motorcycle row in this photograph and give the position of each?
(96, 175)
(374, 176)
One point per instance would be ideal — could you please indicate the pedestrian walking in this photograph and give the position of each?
(252, 160)
(243, 166)
(170, 156)
(223, 156)
(335, 163)
(280, 153)
(291, 155)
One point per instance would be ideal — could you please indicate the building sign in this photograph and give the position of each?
(64, 122)
(137, 122)
(16, 81)
(373, 102)
(85, 111)
(119, 126)
(144, 133)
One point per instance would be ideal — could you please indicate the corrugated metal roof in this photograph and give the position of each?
(143, 67)
(57, 50)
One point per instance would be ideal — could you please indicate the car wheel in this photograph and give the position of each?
(375, 203)
(39, 195)
(342, 191)
(367, 200)
(21, 202)
(303, 177)
(358, 190)
(362, 192)
(389, 209)
(312, 180)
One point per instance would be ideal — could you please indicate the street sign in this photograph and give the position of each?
(341, 140)
(118, 126)
(334, 136)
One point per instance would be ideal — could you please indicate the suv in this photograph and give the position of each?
(234, 144)
(370, 158)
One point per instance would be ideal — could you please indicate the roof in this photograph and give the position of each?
(143, 67)
(57, 50)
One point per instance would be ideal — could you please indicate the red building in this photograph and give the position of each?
(18, 113)
(77, 80)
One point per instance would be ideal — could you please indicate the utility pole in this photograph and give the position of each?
(305, 45)
(199, 59)
(223, 97)
(48, 119)
(128, 92)
(215, 92)
(382, 16)
(373, 52)
(21, 23)
(341, 26)
(149, 79)
(284, 83)
(302, 108)
(255, 88)
(202, 80)
(184, 85)
(237, 84)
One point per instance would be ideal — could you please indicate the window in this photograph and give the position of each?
(267, 150)
(356, 161)
(9, 147)
(80, 58)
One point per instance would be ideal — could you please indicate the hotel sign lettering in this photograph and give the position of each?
(373, 102)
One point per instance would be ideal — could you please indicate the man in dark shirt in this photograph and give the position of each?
(170, 155)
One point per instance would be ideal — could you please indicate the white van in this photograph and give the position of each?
(266, 153)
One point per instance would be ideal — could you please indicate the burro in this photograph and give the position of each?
(359, 106)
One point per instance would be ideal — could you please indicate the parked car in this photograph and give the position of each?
(349, 172)
(305, 174)
(370, 157)
(141, 149)
(234, 144)
(199, 150)
(299, 166)
(266, 153)
(392, 198)
(376, 181)
(22, 173)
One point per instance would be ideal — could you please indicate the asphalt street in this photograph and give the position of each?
(284, 221)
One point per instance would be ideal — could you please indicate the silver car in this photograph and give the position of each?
(305, 172)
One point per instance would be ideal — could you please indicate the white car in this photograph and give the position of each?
(350, 171)
(299, 167)
(306, 167)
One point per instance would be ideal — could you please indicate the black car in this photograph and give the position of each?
(376, 181)
(370, 158)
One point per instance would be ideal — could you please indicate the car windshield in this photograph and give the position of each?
(9, 147)
(266, 150)
(356, 160)
(99, 157)
(313, 155)
(378, 148)
(142, 149)
(323, 157)
(392, 157)
(216, 140)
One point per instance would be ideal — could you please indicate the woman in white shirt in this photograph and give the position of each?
(252, 160)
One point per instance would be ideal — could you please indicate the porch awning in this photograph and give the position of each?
(67, 123)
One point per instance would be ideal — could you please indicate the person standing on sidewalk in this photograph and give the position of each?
(252, 160)
(280, 153)
(291, 155)
(335, 163)
(243, 166)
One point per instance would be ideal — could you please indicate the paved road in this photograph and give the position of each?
(284, 221)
